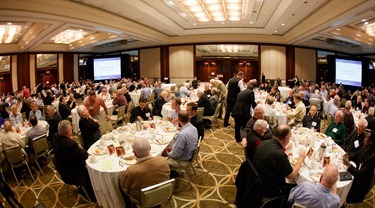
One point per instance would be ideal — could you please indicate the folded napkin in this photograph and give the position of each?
(107, 165)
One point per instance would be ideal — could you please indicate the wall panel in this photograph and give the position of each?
(60, 68)
(14, 73)
(32, 71)
(305, 64)
(68, 69)
(149, 63)
(22, 67)
(273, 61)
(181, 63)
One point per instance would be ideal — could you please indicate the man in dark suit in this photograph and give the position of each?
(141, 112)
(70, 158)
(370, 119)
(192, 108)
(64, 109)
(89, 127)
(53, 122)
(233, 90)
(241, 111)
(203, 101)
(158, 103)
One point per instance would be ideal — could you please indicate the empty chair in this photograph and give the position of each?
(128, 112)
(16, 158)
(200, 112)
(40, 146)
(119, 117)
(105, 126)
(155, 194)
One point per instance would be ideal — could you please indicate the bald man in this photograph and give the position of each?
(323, 194)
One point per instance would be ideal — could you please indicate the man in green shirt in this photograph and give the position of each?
(336, 128)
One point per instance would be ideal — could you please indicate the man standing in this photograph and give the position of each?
(273, 164)
(192, 108)
(204, 102)
(147, 171)
(223, 93)
(180, 154)
(89, 127)
(64, 109)
(25, 92)
(53, 122)
(233, 90)
(93, 103)
(323, 194)
(241, 112)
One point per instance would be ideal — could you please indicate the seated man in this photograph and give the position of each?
(105, 95)
(273, 164)
(147, 171)
(299, 112)
(255, 137)
(179, 155)
(119, 99)
(290, 99)
(269, 111)
(35, 111)
(176, 106)
(89, 127)
(192, 108)
(203, 101)
(35, 131)
(312, 119)
(336, 128)
(15, 117)
(258, 114)
(141, 112)
(370, 119)
(53, 122)
(363, 173)
(159, 102)
(70, 158)
(354, 141)
(9, 138)
(323, 194)
(275, 93)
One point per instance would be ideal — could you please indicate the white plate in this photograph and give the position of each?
(98, 151)
(161, 141)
(170, 129)
(128, 161)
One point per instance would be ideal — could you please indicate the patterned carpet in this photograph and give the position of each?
(213, 185)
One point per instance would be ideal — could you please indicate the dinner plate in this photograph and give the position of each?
(98, 151)
(170, 129)
(129, 160)
(321, 135)
(161, 141)
(294, 160)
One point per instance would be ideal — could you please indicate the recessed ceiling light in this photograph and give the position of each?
(366, 23)
(337, 29)
(282, 24)
(363, 20)
(194, 23)
(275, 31)
(222, 23)
(251, 23)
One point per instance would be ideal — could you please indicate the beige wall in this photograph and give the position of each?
(149, 63)
(14, 73)
(32, 71)
(273, 61)
(181, 63)
(305, 63)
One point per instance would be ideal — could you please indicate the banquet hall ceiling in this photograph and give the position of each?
(113, 25)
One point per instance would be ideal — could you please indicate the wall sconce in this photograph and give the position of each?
(48, 72)
(1, 78)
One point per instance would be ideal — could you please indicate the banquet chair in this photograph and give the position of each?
(200, 112)
(80, 139)
(17, 158)
(119, 117)
(213, 118)
(151, 98)
(154, 195)
(128, 112)
(40, 146)
(105, 126)
(51, 155)
(296, 205)
(184, 170)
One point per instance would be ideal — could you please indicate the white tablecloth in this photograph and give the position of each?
(167, 110)
(76, 117)
(24, 130)
(284, 91)
(105, 181)
(168, 86)
(135, 95)
(334, 151)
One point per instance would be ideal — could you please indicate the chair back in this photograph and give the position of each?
(156, 194)
(151, 97)
(105, 126)
(51, 154)
(80, 139)
(121, 112)
(217, 110)
(15, 156)
(40, 145)
(296, 205)
(195, 154)
(200, 111)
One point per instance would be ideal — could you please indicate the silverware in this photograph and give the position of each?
(120, 163)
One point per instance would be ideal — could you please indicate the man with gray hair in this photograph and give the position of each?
(334, 106)
(323, 194)
(159, 102)
(255, 137)
(147, 171)
(89, 127)
(9, 138)
(336, 128)
(53, 121)
(370, 119)
(70, 158)
(356, 138)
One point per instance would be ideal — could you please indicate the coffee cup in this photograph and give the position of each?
(93, 159)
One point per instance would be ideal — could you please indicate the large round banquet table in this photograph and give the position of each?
(301, 141)
(76, 117)
(105, 165)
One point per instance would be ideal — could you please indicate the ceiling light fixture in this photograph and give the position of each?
(69, 36)
(370, 29)
(214, 10)
(9, 32)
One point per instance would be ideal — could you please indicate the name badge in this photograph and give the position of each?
(356, 143)
(148, 115)
(334, 130)
(313, 124)
(91, 107)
